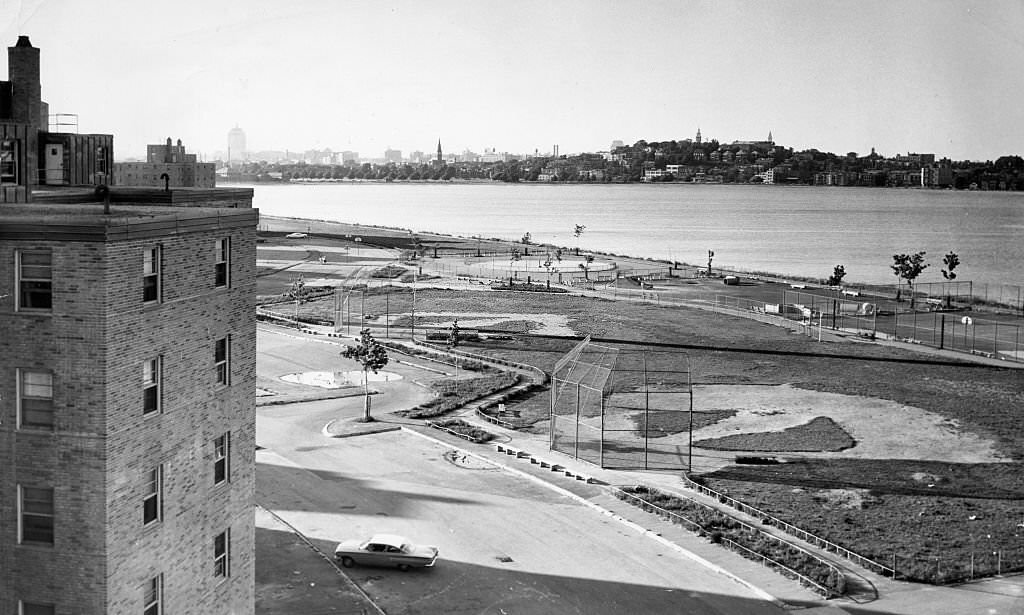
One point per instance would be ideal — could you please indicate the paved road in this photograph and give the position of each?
(508, 544)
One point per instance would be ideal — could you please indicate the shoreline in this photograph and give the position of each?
(470, 241)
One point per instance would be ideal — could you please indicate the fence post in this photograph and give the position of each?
(942, 331)
(995, 341)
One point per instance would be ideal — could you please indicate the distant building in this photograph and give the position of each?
(937, 176)
(393, 155)
(439, 161)
(491, 155)
(181, 168)
(616, 144)
(236, 145)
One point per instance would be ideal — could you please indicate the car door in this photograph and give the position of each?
(375, 554)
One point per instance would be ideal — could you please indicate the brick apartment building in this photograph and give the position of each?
(127, 383)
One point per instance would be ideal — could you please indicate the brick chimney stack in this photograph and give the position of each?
(23, 72)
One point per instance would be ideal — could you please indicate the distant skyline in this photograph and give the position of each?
(934, 76)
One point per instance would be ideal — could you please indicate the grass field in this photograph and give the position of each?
(937, 494)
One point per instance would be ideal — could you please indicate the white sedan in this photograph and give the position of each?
(385, 550)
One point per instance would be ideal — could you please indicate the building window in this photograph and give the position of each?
(222, 555)
(152, 377)
(152, 507)
(35, 608)
(152, 595)
(8, 162)
(151, 274)
(35, 399)
(221, 459)
(36, 515)
(222, 360)
(222, 249)
(101, 160)
(35, 280)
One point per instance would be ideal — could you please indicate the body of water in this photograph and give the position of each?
(800, 231)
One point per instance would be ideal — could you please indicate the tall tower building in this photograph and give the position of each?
(127, 431)
(698, 137)
(236, 145)
(440, 157)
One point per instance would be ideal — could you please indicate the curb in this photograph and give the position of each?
(328, 559)
(326, 431)
(764, 595)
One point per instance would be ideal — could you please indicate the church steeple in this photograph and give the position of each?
(440, 157)
(770, 140)
(698, 135)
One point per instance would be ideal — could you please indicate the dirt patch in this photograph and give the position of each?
(546, 324)
(883, 429)
(849, 499)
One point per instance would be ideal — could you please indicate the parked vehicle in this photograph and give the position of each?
(385, 550)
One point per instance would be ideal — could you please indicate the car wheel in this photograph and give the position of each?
(347, 562)
(403, 567)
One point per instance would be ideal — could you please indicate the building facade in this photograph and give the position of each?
(127, 380)
(181, 168)
(236, 145)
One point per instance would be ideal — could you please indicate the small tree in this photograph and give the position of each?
(453, 334)
(577, 232)
(951, 261)
(371, 356)
(527, 237)
(711, 255)
(838, 273)
(908, 267)
(585, 265)
(297, 291)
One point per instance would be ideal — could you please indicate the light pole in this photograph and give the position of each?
(412, 334)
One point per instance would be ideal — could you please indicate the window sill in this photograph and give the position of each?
(42, 546)
(31, 312)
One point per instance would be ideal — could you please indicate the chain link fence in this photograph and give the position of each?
(622, 408)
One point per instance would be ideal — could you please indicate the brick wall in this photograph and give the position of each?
(95, 342)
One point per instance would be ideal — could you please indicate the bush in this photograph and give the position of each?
(463, 428)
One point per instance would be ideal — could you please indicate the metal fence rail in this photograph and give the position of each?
(792, 530)
(693, 526)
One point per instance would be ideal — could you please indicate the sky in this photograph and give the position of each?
(931, 76)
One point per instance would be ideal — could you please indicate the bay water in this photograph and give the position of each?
(800, 231)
